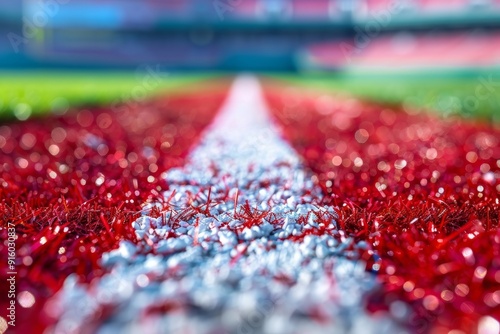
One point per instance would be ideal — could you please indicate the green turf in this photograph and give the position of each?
(447, 92)
(36, 93)
(28, 94)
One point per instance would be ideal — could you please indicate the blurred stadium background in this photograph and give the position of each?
(429, 54)
(275, 35)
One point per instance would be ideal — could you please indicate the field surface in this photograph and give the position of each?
(288, 205)
(473, 93)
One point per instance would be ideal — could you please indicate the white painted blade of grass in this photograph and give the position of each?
(216, 275)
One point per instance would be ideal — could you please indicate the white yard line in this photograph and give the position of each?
(223, 277)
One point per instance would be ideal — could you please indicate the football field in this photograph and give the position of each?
(274, 204)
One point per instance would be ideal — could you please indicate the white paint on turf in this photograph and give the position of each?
(215, 275)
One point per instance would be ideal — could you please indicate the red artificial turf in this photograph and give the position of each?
(73, 184)
(423, 191)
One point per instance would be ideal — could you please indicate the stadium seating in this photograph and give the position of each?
(406, 50)
(312, 9)
(246, 9)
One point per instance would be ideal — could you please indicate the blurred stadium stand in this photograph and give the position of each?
(215, 34)
(411, 50)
